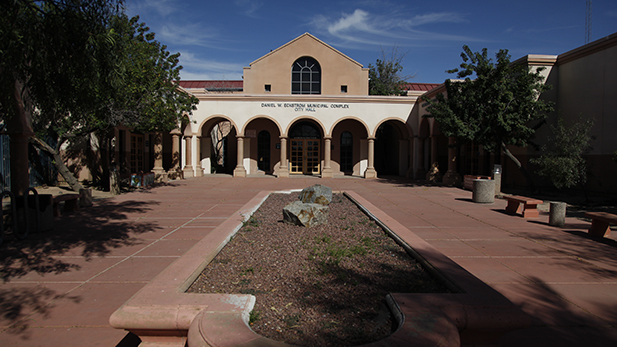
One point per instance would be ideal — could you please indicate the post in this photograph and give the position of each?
(370, 170)
(327, 169)
(283, 168)
(188, 168)
(240, 171)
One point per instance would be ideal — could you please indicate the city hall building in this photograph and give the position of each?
(304, 109)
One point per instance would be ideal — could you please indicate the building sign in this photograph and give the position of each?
(303, 107)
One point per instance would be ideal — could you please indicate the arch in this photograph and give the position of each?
(392, 148)
(218, 147)
(209, 122)
(305, 118)
(272, 119)
(306, 76)
(403, 127)
(256, 151)
(305, 147)
(343, 119)
(359, 155)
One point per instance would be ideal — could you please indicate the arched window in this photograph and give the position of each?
(306, 76)
(346, 152)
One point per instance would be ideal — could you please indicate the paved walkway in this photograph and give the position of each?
(61, 288)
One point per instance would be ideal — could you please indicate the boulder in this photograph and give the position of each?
(305, 214)
(316, 194)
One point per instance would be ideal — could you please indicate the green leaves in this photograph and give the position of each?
(494, 103)
(563, 159)
(385, 77)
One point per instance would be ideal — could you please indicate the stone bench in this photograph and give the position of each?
(70, 203)
(600, 223)
(520, 204)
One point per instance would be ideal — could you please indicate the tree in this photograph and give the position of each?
(385, 76)
(496, 109)
(50, 49)
(562, 160)
(85, 67)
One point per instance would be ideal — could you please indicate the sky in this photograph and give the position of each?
(216, 39)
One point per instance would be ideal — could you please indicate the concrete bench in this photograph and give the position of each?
(70, 203)
(600, 223)
(520, 204)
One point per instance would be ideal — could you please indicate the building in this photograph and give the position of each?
(304, 109)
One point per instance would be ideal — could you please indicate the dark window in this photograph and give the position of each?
(306, 76)
(263, 151)
(268, 88)
(346, 152)
(343, 89)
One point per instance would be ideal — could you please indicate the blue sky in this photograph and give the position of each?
(217, 39)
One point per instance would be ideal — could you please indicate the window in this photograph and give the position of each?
(306, 76)
(263, 151)
(344, 89)
(346, 152)
(267, 88)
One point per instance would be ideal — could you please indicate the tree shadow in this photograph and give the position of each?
(559, 321)
(92, 232)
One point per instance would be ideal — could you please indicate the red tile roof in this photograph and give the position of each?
(422, 87)
(217, 84)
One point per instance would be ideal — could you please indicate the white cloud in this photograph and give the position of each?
(249, 7)
(362, 27)
(193, 34)
(203, 69)
(162, 7)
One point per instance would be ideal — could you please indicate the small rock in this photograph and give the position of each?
(305, 214)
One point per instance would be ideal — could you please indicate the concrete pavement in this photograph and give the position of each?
(61, 287)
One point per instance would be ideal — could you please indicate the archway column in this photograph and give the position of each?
(451, 177)
(158, 153)
(198, 170)
(283, 170)
(188, 168)
(370, 170)
(240, 171)
(327, 169)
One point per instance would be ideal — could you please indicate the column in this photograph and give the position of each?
(283, 167)
(370, 170)
(240, 171)
(158, 153)
(188, 168)
(198, 170)
(175, 149)
(451, 177)
(326, 172)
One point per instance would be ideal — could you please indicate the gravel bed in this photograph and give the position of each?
(319, 286)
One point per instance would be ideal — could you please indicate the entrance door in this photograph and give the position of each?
(304, 156)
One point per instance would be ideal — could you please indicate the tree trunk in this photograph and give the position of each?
(59, 163)
(518, 164)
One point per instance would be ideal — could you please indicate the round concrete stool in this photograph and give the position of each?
(557, 214)
(483, 191)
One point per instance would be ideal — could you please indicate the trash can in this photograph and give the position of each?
(483, 191)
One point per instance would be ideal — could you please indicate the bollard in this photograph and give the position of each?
(557, 214)
(483, 191)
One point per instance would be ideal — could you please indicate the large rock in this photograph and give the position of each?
(305, 214)
(316, 194)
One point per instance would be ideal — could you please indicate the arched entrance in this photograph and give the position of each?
(305, 148)
(387, 149)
